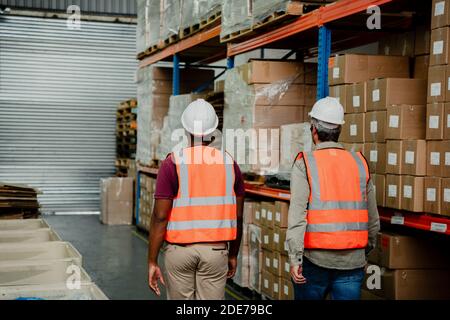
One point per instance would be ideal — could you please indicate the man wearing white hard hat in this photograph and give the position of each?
(197, 219)
(333, 215)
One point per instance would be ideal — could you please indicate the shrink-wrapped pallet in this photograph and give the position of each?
(295, 138)
(154, 16)
(170, 18)
(209, 8)
(190, 13)
(148, 27)
(255, 257)
(242, 276)
(236, 16)
(262, 9)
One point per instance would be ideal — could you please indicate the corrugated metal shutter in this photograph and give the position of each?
(59, 89)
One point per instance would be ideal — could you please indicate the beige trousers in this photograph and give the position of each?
(196, 272)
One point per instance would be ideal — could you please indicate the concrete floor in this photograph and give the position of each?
(114, 257)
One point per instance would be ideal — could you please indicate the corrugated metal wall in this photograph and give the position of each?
(115, 7)
(59, 89)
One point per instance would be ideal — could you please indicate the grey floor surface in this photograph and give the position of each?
(114, 257)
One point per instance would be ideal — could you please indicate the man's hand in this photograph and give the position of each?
(155, 275)
(297, 276)
(232, 265)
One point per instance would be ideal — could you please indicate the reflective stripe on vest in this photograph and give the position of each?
(337, 224)
(203, 218)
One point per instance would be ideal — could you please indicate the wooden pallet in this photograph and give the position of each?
(149, 51)
(189, 31)
(169, 41)
(212, 19)
(240, 34)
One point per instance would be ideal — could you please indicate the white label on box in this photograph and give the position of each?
(448, 120)
(356, 101)
(435, 158)
(278, 217)
(433, 122)
(373, 155)
(438, 47)
(287, 266)
(275, 263)
(435, 89)
(266, 283)
(275, 287)
(400, 220)
(276, 237)
(431, 194)
(447, 158)
(409, 157)
(448, 84)
(394, 121)
(438, 227)
(258, 215)
(266, 239)
(269, 215)
(286, 247)
(392, 191)
(407, 192)
(373, 126)
(353, 130)
(392, 159)
(376, 95)
(286, 290)
(439, 8)
(336, 73)
(263, 213)
(284, 195)
(268, 262)
(446, 195)
(253, 238)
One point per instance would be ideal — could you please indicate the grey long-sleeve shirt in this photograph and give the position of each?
(331, 259)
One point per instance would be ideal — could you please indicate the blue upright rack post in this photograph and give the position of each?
(176, 75)
(324, 56)
(230, 62)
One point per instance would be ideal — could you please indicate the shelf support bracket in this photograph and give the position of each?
(176, 75)
(324, 56)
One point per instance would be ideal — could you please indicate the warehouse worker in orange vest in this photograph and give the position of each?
(197, 218)
(333, 215)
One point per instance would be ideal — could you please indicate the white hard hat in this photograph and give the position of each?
(328, 110)
(200, 118)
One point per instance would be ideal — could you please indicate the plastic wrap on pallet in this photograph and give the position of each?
(209, 8)
(255, 257)
(170, 18)
(236, 16)
(242, 276)
(142, 36)
(154, 22)
(260, 152)
(144, 115)
(295, 138)
(263, 9)
(190, 13)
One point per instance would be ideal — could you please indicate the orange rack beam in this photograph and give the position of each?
(316, 18)
(419, 221)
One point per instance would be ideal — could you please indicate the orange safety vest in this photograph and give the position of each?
(204, 209)
(337, 213)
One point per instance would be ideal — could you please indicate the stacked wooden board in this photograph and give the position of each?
(126, 131)
(18, 202)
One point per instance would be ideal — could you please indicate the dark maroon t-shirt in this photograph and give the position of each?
(167, 181)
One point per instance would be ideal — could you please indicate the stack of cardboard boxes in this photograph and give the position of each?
(146, 201)
(409, 268)
(437, 182)
(117, 201)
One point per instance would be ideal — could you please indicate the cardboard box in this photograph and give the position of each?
(447, 121)
(432, 189)
(266, 283)
(267, 71)
(445, 150)
(376, 126)
(375, 154)
(256, 256)
(393, 191)
(276, 268)
(406, 122)
(276, 288)
(356, 98)
(382, 93)
(396, 251)
(412, 193)
(268, 214)
(421, 66)
(435, 121)
(340, 92)
(398, 44)
(423, 39)
(257, 218)
(117, 201)
(437, 84)
(285, 267)
(266, 238)
(435, 159)
(287, 289)
(439, 46)
(281, 214)
(267, 259)
(445, 197)
(279, 240)
(354, 68)
(394, 156)
(440, 14)
(353, 131)
(354, 147)
(414, 157)
(310, 73)
(379, 183)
